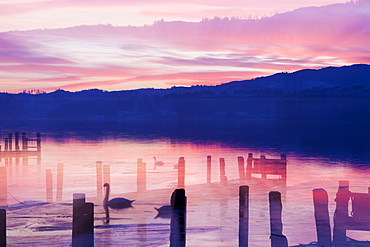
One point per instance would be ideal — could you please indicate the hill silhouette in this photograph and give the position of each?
(333, 93)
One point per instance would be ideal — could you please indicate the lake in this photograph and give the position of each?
(71, 152)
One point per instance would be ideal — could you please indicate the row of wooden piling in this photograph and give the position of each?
(83, 220)
(23, 139)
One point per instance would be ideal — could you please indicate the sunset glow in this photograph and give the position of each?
(88, 44)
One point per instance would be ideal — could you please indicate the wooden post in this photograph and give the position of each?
(49, 186)
(16, 141)
(99, 178)
(209, 168)
(276, 225)
(3, 186)
(82, 221)
(263, 166)
(248, 169)
(223, 177)
(241, 169)
(2, 228)
(60, 182)
(10, 140)
(341, 211)
(181, 173)
(106, 174)
(6, 145)
(24, 142)
(141, 176)
(243, 215)
(38, 141)
(178, 218)
(321, 202)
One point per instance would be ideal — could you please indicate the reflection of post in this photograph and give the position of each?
(99, 178)
(3, 186)
(341, 211)
(178, 218)
(16, 141)
(82, 221)
(2, 227)
(106, 174)
(209, 168)
(321, 201)
(60, 182)
(25, 160)
(223, 177)
(276, 225)
(241, 169)
(49, 186)
(243, 215)
(141, 176)
(181, 173)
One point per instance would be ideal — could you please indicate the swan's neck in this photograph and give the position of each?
(106, 196)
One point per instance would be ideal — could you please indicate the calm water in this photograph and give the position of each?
(212, 212)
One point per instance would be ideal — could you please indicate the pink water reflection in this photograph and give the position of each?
(215, 210)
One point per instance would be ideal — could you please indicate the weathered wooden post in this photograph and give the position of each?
(243, 215)
(276, 225)
(106, 174)
(341, 211)
(3, 187)
(24, 142)
(141, 176)
(321, 202)
(262, 166)
(99, 178)
(249, 167)
(181, 173)
(2, 228)
(178, 219)
(241, 169)
(60, 181)
(6, 148)
(209, 168)
(82, 221)
(16, 141)
(223, 177)
(49, 186)
(38, 141)
(10, 140)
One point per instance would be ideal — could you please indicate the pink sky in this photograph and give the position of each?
(128, 55)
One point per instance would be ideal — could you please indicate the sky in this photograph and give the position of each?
(121, 45)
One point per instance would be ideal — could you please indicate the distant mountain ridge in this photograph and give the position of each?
(332, 93)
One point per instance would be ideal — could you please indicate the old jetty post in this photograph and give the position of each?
(49, 186)
(24, 142)
(241, 169)
(321, 202)
(2, 228)
(82, 221)
(106, 174)
(341, 211)
(3, 186)
(223, 177)
(60, 167)
(243, 215)
(99, 178)
(178, 219)
(16, 141)
(181, 173)
(276, 225)
(209, 168)
(141, 176)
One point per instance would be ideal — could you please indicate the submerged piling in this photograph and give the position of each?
(141, 176)
(60, 181)
(241, 169)
(2, 228)
(223, 178)
(3, 186)
(178, 219)
(181, 173)
(243, 215)
(209, 168)
(99, 178)
(82, 221)
(321, 202)
(106, 174)
(49, 186)
(276, 224)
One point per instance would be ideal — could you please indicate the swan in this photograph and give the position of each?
(157, 163)
(164, 211)
(117, 202)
